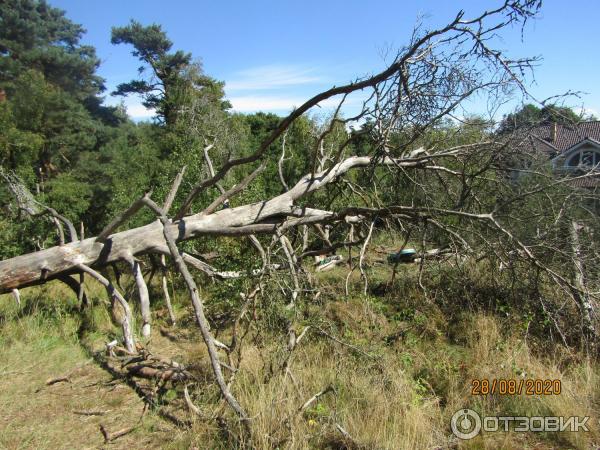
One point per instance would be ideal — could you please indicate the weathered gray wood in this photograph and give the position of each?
(121, 218)
(262, 217)
(143, 295)
(165, 287)
(17, 295)
(126, 318)
(37, 267)
(174, 188)
(581, 293)
(289, 254)
(203, 324)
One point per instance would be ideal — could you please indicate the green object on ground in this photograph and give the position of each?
(407, 255)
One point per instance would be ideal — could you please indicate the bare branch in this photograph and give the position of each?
(122, 217)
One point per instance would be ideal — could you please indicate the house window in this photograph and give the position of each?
(586, 158)
(574, 161)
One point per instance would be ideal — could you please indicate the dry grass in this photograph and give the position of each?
(405, 396)
(39, 342)
(398, 367)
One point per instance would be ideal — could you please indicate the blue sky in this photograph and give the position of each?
(273, 55)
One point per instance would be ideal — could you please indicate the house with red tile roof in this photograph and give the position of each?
(572, 148)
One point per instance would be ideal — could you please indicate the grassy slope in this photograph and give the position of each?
(38, 342)
(399, 366)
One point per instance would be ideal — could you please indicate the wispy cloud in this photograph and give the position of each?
(250, 103)
(273, 76)
(134, 107)
(274, 87)
(277, 88)
(586, 112)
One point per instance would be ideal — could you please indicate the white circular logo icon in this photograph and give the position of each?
(466, 424)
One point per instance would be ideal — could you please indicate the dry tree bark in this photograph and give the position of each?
(124, 316)
(17, 296)
(581, 293)
(278, 213)
(90, 412)
(315, 397)
(165, 288)
(143, 371)
(199, 312)
(111, 436)
(142, 289)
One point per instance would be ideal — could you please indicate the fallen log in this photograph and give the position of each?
(148, 372)
(39, 267)
(262, 217)
(90, 413)
(109, 437)
(52, 381)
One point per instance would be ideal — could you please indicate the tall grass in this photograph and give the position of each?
(397, 363)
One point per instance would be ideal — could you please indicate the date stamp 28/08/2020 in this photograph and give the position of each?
(511, 386)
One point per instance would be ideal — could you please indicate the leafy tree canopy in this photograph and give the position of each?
(531, 115)
(34, 35)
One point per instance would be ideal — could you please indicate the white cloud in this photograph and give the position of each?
(276, 88)
(584, 111)
(272, 77)
(251, 103)
(137, 111)
(133, 105)
(280, 88)
(259, 103)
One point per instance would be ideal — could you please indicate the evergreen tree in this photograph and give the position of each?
(174, 77)
(34, 35)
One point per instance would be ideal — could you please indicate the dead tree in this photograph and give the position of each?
(439, 186)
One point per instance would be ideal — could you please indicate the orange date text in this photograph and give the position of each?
(511, 386)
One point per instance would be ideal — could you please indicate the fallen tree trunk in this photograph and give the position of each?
(38, 267)
(264, 217)
(41, 266)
